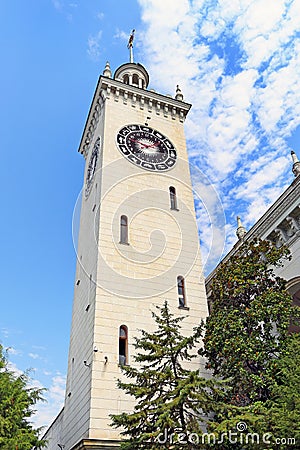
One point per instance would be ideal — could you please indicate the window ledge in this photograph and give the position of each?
(184, 307)
(174, 209)
(124, 243)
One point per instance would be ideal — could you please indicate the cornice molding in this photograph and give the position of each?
(118, 88)
(273, 215)
(108, 89)
(285, 208)
(91, 122)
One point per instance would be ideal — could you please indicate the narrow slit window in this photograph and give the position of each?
(173, 198)
(124, 230)
(181, 292)
(123, 345)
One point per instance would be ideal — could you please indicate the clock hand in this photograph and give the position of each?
(150, 145)
(139, 142)
(154, 145)
(143, 145)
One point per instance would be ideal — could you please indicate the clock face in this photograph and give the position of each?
(92, 167)
(146, 147)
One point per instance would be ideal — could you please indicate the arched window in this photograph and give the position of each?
(181, 292)
(123, 345)
(173, 199)
(126, 79)
(135, 79)
(123, 230)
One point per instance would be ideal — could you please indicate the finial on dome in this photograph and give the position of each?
(296, 164)
(107, 71)
(241, 231)
(178, 95)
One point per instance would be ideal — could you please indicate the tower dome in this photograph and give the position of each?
(133, 74)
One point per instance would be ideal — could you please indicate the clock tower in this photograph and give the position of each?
(137, 247)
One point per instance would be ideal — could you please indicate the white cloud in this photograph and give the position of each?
(34, 355)
(39, 347)
(279, 102)
(264, 176)
(14, 351)
(121, 34)
(5, 332)
(156, 11)
(13, 367)
(54, 396)
(93, 50)
(210, 218)
(66, 8)
(37, 356)
(258, 17)
(58, 4)
(238, 63)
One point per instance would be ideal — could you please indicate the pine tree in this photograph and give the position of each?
(170, 399)
(16, 403)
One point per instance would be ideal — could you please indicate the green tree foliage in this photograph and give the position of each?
(246, 338)
(168, 395)
(277, 419)
(283, 408)
(16, 403)
(248, 326)
(285, 395)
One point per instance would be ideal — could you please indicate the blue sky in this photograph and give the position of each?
(237, 62)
